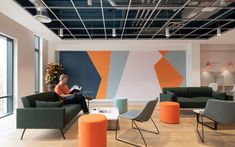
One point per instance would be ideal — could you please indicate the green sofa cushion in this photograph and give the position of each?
(30, 101)
(220, 96)
(195, 102)
(200, 92)
(43, 104)
(71, 110)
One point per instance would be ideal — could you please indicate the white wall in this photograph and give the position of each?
(219, 56)
(43, 64)
(24, 57)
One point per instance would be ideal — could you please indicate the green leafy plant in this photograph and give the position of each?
(53, 72)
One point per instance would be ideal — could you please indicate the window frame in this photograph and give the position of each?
(10, 79)
(37, 47)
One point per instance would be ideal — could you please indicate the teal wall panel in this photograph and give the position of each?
(117, 65)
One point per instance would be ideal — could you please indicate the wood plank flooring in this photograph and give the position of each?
(182, 135)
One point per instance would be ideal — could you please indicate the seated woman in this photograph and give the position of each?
(62, 90)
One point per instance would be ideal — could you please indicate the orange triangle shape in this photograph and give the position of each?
(163, 52)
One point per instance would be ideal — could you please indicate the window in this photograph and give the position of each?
(37, 63)
(6, 76)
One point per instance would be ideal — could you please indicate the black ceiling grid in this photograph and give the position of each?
(137, 19)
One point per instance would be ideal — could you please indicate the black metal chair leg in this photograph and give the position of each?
(158, 132)
(22, 134)
(140, 134)
(118, 139)
(202, 134)
(62, 132)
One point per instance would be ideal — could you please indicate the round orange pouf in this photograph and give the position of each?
(92, 130)
(170, 112)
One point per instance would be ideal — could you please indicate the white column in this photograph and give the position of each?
(193, 65)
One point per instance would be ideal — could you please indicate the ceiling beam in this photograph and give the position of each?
(208, 22)
(128, 28)
(148, 18)
(80, 19)
(129, 5)
(136, 7)
(154, 19)
(103, 19)
(194, 18)
(214, 29)
(182, 7)
(84, 35)
(58, 19)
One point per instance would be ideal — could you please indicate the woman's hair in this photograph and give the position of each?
(62, 76)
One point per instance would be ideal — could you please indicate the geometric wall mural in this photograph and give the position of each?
(136, 75)
(170, 69)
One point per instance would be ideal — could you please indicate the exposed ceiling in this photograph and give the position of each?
(136, 19)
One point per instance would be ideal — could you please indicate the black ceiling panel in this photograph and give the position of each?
(142, 19)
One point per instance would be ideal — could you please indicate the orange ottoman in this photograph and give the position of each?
(92, 130)
(170, 112)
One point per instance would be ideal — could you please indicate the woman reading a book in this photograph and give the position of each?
(64, 93)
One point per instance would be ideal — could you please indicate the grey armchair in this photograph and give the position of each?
(219, 111)
(139, 116)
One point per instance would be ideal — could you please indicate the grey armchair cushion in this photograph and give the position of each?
(44, 104)
(220, 111)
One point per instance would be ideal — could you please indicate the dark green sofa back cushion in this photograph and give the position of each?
(30, 101)
(189, 91)
(200, 92)
(43, 104)
(179, 91)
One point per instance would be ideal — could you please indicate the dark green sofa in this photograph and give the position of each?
(44, 118)
(191, 97)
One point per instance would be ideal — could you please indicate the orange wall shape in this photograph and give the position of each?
(101, 61)
(167, 75)
(163, 52)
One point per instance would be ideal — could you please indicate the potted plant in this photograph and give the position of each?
(53, 72)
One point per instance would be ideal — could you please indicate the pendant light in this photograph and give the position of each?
(61, 32)
(167, 32)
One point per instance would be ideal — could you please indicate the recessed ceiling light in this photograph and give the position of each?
(208, 9)
(222, 2)
(42, 16)
(89, 2)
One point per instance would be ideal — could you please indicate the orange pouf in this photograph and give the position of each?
(170, 112)
(92, 130)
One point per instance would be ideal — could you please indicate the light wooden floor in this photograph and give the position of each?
(183, 135)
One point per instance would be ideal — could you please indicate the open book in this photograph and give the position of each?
(75, 89)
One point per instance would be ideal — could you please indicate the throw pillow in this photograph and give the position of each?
(44, 104)
(173, 95)
(220, 96)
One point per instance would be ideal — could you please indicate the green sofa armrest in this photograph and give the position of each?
(47, 118)
(220, 96)
(230, 97)
(167, 97)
